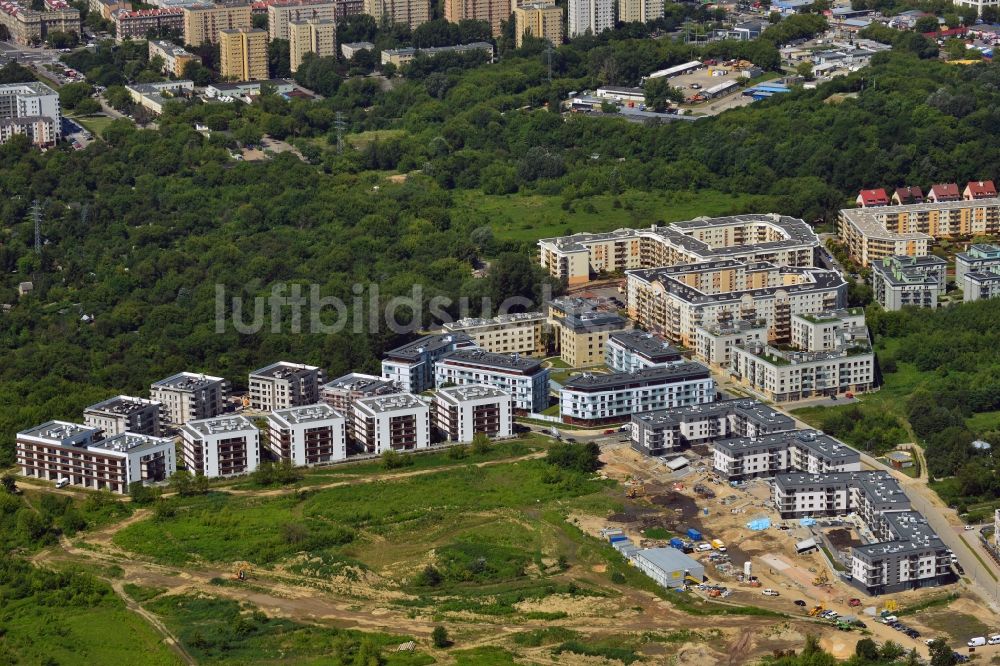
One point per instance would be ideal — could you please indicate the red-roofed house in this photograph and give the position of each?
(944, 192)
(869, 198)
(908, 195)
(982, 189)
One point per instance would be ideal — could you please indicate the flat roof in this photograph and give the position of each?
(871, 221)
(284, 369)
(670, 559)
(492, 360)
(752, 410)
(500, 320)
(593, 321)
(663, 374)
(356, 382)
(62, 433)
(389, 403)
(434, 50)
(121, 405)
(130, 442)
(219, 425)
(317, 413)
(816, 442)
(459, 394)
(414, 351)
(187, 381)
(646, 345)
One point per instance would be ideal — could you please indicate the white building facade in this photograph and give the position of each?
(462, 412)
(221, 446)
(308, 435)
(399, 422)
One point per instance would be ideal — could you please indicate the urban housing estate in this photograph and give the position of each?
(977, 272)
(31, 109)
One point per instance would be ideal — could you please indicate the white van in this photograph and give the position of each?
(768, 592)
(977, 641)
(993, 640)
(62, 483)
(889, 619)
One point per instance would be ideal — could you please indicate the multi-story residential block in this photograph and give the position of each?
(342, 392)
(399, 422)
(187, 396)
(666, 431)
(154, 96)
(594, 399)
(221, 446)
(203, 23)
(281, 14)
(781, 240)
(407, 12)
(106, 8)
(825, 331)
(519, 333)
(27, 26)
(639, 11)
(462, 412)
(243, 54)
(523, 378)
(581, 335)
(628, 351)
(977, 272)
(318, 36)
(589, 16)
(124, 413)
(543, 20)
(714, 343)
(978, 5)
(282, 385)
(309, 435)
(872, 234)
(494, 12)
(31, 109)
(902, 281)
(799, 450)
(59, 450)
(246, 90)
(136, 24)
(675, 300)
(412, 365)
(404, 56)
(174, 57)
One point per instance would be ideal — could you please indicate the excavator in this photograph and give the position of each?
(815, 610)
(636, 490)
(821, 579)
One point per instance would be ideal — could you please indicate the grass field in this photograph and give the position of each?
(528, 217)
(95, 124)
(364, 138)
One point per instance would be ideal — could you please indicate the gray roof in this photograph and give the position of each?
(389, 403)
(459, 394)
(428, 344)
(356, 382)
(306, 414)
(646, 345)
(129, 442)
(817, 443)
(752, 410)
(187, 381)
(913, 536)
(218, 425)
(594, 321)
(669, 560)
(121, 405)
(684, 371)
(493, 361)
(61, 433)
(284, 370)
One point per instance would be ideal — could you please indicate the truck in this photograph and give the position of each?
(719, 546)
(694, 534)
(677, 543)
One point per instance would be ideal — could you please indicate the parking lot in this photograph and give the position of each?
(704, 80)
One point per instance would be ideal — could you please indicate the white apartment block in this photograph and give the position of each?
(593, 399)
(343, 391)
(282, 385)
(32, 109)
(462, 412)
(519, 333)
(628, 351)
(188, 395)
(825, 331)
(593, 16)
(977, 272)
(221, 446)
(714, 343)
(904, 281)
(124, 413)
(412, 365)
(59, 450)
(764, 456)
(674, 301)
(309, 435)
(399, 422)
(781, 240)
(524, 379)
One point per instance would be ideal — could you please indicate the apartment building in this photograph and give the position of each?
(666, 431)
(399, 422)
(405, 56)
(523, 378)
(873, 234)
(221, 446)
(155, 96)
(902, 281)
(282, 385)
(628, 351)
(581, 336)
(543, 20)
(204, 23)
(124, 413)
(243, 54)
(778, 239)
(31, 109)
(281, 14)
(794, 450)
(80, 454)
(187, 396)
(407, 12)
(412, 365)
(308, 435)
(27, 26)
(675, 300)
(318, 36)
(589, 16)
(351, 49)
(174, 57)
(977, 272)
(639, 11)
(519, 333)
(106, 8)
(462, 412)
(714, 342)
(494, 12)
(825, 331)
(596, 399)
(342, 392)
(136, 24)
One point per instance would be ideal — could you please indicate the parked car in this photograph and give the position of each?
(799, 602)
(768, 592)
(969, 528)
(853, 603)
(704, 546)
(960, 569)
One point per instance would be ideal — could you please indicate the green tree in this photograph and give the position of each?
(659, 93)
(926, 24)
(942, 654)
(866, 650)
(481, 444)
(9, 483)
(805, 70)
(439, 636)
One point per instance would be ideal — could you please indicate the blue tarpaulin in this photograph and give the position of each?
(807, 522)
(758, 524)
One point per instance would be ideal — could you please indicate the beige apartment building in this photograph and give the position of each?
(279, 15)
(202, 23)
(519, 333)
(493, 12)
(639, 11)
(539, 19)
(243, 54)
(174, 57)
(872, 234)
(317, 36)
(408, 12)
(581, 331)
